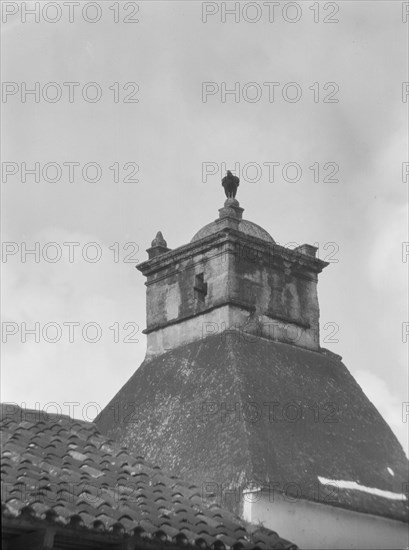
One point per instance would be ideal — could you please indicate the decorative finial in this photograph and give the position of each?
(159, 240)
(158, 246)
(230, 184)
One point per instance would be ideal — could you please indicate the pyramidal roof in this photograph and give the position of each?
(240, 411)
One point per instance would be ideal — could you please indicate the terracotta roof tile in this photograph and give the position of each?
(65, 472)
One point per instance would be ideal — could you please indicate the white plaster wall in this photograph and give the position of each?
(313, 526)
(217, 321)
(190, 330)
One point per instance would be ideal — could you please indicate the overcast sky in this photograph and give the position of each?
(344, 107)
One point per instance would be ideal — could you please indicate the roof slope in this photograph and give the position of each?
(235, 409)
(63, 472)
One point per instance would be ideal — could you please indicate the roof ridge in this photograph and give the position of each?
(30, 411)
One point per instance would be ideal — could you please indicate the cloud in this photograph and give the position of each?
(66, 364)
(388, 404)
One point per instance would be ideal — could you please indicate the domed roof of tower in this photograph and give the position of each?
(245, 226)
(233, 213)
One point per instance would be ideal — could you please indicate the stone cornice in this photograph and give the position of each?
(261, 251)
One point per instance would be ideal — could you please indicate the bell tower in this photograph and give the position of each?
(232, 276)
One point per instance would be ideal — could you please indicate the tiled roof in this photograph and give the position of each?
(61, 472)
(276, 416)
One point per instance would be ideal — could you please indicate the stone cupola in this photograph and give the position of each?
(232, 276)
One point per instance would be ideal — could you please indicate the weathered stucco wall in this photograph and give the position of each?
(313, 526)
(268, 291)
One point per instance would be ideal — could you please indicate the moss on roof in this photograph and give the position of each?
(234, 410)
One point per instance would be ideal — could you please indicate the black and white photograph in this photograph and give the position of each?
(204, 275)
